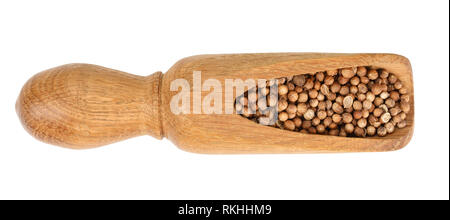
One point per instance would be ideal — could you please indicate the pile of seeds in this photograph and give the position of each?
(352, 102)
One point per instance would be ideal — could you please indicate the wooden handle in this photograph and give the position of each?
(84, 106)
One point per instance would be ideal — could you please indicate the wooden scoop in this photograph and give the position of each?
(83, 106)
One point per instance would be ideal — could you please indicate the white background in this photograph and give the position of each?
(142, 37)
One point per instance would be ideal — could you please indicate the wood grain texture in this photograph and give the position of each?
(82, 106)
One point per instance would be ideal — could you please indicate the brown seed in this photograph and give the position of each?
(315, 121)
(398, 85)
(353, 89)
(360, 132)
(372, 120)
(401, 124)
(281, 80)
(405, 98)
(320, 76)
(367, 104)
(378, 101)
(355, 80)
(282, 105)
(361, 97)
(272, 100)
(309, 84)
(320, 129)
(320, 97)
(364, 80)
(322, 105)
(313, 94)
(332, 72)
(321, 115)
(405, 107)
(334, 132)
(290, 86)
(332, 125)
(309, 114)
(357, 105)
(298, 89)
(289, 125)
(365, 113)
(317, 85)
(335, 87)
(361, 71)
(312, 130)
(381, 131)
(362, 123)
(306, 124)
(342, 133)
(291, 108)
(371, 130)
(336, 118)
(292, 96)
(378, 112)
(289, 78)
(394, 95)
(357, 115)
(384, 107)
(389, 102)
(396, 119)
(313, 103)
(349, 128)
(303, 97)
(385, 117)
(377, 89)
(297, 122)
(392, 79)
(347, 117)
(349, 109)
(331, 96)
(389, 127)
(371, 109)
(395, 111)
(342, 80)
(324, 90)
(291, 115)
(344, 90)
(370, 96)
(384, 74)
(347, 72)
(329, 80)
(384, 95)
(403, 115)
(283, 116)
(362, 88)
(299, 80)
(337, 108)
(347, 101)
(282, 89)
(327, 121)
(302, 108)
(372, 74)
(403, 91)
